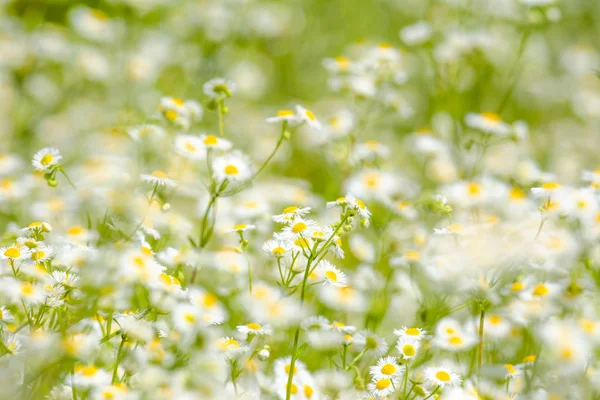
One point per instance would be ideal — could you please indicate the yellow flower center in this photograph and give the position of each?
(90, 370)
(308, 391)
(12, 252)
(310, 115)
(388, 369)
(171, 115)
(210, 300)
(342, 62)
(37, 255)
(409, 350)
(382, 384)
(510, 369)
(75, 230)
(541, 290)
(231, 170)
(159, 174)
(299, 227)
(442, 376)
(455, 340)
(178, 101)
(413, 331)
(529, 359)
(492, 116)
(46, 160)
(190, 318)
(239, 227)
(331, 275)
(190, 147)
(517, 287)
(211, 140)
(495, 319)
(278, 251)
(293, 389)
(289, 210)
(287, 369)
(550, 186)
(285, 113)
(27, 288)
(254, 326)
(412, 255)
(517, 194)
(474, 189)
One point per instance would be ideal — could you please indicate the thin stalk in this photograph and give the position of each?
(116, 368)
(481, 326)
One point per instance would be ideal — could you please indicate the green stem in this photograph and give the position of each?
(481, 326)
(221, 119)
(312, 257)
(432, 393)
(116, 368)
(279, 142)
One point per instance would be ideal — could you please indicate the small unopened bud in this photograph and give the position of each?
(419, 391)
(264, 354)
(211, 105)
(46, 227)
(365, 223)
(350, 220)
(224, 109)
(52, 182)
(166, 207)
(347, 228)
(287, 135)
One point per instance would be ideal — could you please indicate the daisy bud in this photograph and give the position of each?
(166, 207)
(211, 105)
(287, 135)
(419, 391)
(264, 354)
(224, 109)
(347, 228)
(46, 227)
(350, 220)
(365, 223)
(52, 182)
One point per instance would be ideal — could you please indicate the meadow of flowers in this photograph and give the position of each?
(328, 200)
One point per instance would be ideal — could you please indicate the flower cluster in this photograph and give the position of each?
(192, 208)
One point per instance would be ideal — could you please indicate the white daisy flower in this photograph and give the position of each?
(283, 115)
(386, 367)
(190, 147)
(158, 178)
(366, 340)
(298, 229)
(308, 117)
(408, 347)
(14, 253)
(547, 189)
(416, 333)
(231, 167)
(276, 248)
(332, 275)
(383, 387)
(255, 329)
(46, 158)
(218, 87)
(289, 213)
(440, 376)
(242, 228)
(215, 142)
(488, 122)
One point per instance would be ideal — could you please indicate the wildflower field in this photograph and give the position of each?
(300, 200)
